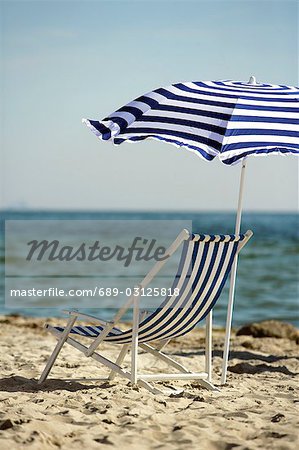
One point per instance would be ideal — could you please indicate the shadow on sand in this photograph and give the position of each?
(22, 384)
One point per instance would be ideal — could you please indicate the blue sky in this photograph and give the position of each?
(64, 60)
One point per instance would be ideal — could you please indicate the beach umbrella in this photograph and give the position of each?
(229, 120)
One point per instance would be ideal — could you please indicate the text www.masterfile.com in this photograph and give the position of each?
(97, 291)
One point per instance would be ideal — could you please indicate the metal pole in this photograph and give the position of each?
(240, 200)
(232, 281)
(252, 81)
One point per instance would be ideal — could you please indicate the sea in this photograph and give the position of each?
(268, 269)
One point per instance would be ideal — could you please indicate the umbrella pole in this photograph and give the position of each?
(232, 281)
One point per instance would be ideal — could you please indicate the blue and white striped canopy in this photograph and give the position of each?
(228, 119)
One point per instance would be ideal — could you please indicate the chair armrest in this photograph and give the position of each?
(90, 318)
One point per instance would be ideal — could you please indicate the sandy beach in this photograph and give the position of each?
(255, 410)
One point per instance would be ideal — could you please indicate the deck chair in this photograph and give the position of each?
(204, 266)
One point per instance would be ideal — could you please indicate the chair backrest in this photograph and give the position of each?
(205, 264)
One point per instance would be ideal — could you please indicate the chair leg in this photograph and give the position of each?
(208, 385)
(208, 350)
(119, 360)
(162, 344)
(134, 349)
(167, 359)
(57, 349)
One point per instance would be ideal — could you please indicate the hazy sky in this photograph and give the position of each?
(64, 60)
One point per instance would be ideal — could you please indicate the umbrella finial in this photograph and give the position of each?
(252, 80)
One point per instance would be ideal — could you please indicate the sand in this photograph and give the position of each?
(255, 410)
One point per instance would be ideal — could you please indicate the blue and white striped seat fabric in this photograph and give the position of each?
(204, 266)
(228, 119)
